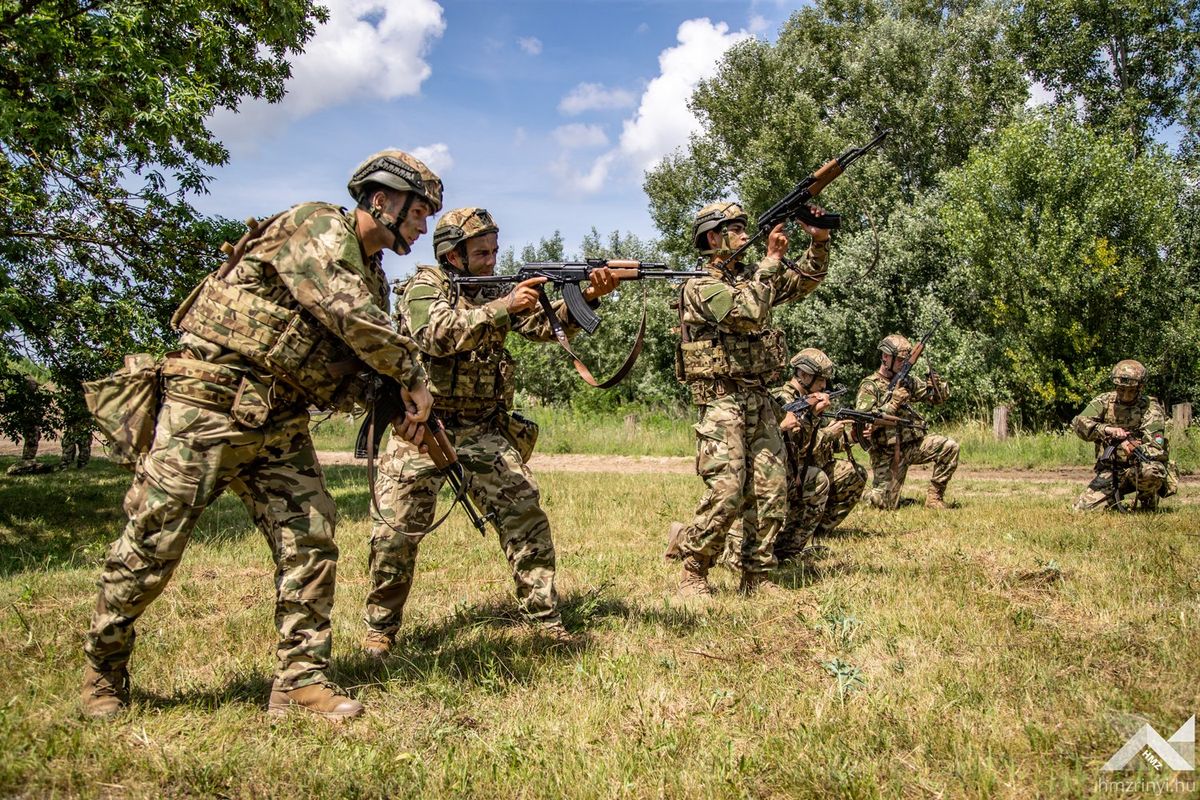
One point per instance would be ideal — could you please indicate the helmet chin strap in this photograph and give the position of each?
(399, 243)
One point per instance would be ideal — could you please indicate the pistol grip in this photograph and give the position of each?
(829, 221)
(581, 312)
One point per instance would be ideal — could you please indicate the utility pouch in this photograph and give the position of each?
(125, 406)
(251, 405)
(522, 433)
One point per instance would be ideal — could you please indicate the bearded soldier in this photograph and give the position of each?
(461, 338)
(822, 489)
(1129, 429)
(728, 355)
(893, 448)
(297, 317)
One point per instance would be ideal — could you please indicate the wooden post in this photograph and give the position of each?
(631, 423)
(1000, 423)
(1181, 413)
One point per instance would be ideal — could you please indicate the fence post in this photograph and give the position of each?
(1181, 413)
(1000, 423)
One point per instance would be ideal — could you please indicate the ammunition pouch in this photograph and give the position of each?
(125, 407)
(760, 357)
(285, 342)
(471, 381)
(522, 433)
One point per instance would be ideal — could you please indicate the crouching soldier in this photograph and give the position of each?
(461, 336)
(1129, 429)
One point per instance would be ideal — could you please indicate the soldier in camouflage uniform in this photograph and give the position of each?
(461, 337)
(728, 355)
(823, 494)
(888, 468)
(31, 433)
(1135, 424)
(300, 319)
(77, 432)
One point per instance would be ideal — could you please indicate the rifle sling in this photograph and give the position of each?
(560, 336)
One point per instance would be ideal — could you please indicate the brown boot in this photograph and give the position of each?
(557, 634)
(936, 497)
(760, 583)
(675, 542)
(105, 694)
(324, 699)
(694, 580)
(378, 644)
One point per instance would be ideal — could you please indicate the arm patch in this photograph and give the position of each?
(717, 299)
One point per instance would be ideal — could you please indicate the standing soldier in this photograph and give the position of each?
(461, 338)
(729, 353)
(894, 448)
(31, 414)
(822, 489)
(290, 324)
(77, 431)
(1129, 429)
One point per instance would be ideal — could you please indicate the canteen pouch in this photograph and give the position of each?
(250, 405)
(125, 407)
(522, 433)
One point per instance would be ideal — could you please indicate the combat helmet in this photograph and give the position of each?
(814, 362)
(1128, 373)
(397, 170)
(458, 225)
(895, 344)
(712, 217)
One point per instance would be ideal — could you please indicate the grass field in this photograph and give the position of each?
(1003, 649)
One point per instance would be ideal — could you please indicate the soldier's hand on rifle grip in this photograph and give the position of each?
(900, 396)
(820, 401)
(777, 242)
(602, 281)
(789, 423)
(818, 234)
(418, 403)
(523, 296)
(1113, 432)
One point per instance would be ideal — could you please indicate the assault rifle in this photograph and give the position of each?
(387, 405)
(803, 404)
(794, 204)
(902, 374)
(876, 418)
(1109, 460)
(568, 276)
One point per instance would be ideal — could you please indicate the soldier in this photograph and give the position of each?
(830, 487)
(1134, 425)
(728, 355)
(890, 461)
(461, 338)
(293, 323)
(31, 432)
(77, 432)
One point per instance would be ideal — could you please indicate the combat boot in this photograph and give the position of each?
(323, 699)
(694, 580)
(760, 583)
(557, 634)
(936, 497)
(675, 538)
(378, 644)
(105, 693)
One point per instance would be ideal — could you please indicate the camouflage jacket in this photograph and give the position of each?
(461, 339)
(873, 396)
(313, 301)
(725, 323)
(798, 440)
(1145, 419)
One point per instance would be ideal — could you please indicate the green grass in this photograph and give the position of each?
(656, 433)
(1003, 649)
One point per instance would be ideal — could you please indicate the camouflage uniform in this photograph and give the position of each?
(1145, 420)
(289, 326)
(831, 488)
(916, 447)
(77, 434)
(31, 436)
(728, 355)
(471, 376)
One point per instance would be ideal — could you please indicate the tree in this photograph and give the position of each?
(102, 137)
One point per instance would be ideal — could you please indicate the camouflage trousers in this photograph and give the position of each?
(501, 484)
(31, 438)
(888, 477)
(740, 456)
(76, 447)
(1144, 480)
(196, 454)
(829, 495)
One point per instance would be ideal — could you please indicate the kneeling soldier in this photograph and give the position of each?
(1129, 429)
(461, 337)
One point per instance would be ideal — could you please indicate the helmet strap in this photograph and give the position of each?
(399, 245)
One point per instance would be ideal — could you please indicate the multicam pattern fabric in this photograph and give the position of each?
(1146, 420)
(196, 454)
(461, 339)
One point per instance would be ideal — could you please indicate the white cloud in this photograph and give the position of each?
(368, 50)
(530, 44)
(435, 156)
(519, 136)
(595, 97)
(577, 136)
(642, 28)
(758, 24)
(588, 182)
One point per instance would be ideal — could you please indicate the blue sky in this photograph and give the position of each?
(544, 112)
